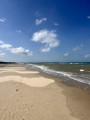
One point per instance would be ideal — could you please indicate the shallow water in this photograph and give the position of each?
(70, 72)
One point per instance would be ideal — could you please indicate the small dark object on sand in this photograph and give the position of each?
(17, 89)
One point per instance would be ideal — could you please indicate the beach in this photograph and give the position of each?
(27, 94)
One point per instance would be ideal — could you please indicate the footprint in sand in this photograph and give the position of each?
(17, 89)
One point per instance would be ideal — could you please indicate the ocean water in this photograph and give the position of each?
(72, 72)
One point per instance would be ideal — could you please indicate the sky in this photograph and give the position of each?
(45, 30)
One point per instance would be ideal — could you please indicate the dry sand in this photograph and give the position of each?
(28, 95)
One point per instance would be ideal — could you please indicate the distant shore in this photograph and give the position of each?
(29, 95)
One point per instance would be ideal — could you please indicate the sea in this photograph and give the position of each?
(72, 73)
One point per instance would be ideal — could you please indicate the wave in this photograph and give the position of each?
(84, 78)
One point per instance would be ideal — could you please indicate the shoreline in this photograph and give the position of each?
(75, 101)
(69, 82)
(78, 99)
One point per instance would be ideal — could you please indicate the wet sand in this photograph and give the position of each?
(29, 95)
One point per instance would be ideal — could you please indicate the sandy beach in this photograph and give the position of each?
(29, 95)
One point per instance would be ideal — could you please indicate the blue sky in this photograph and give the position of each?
(45, 30)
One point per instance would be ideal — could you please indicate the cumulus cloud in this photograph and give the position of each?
(1, 41)
(66, 54)
(5, 46)
(21, 51)
(3, 19)
(88, 17)
(87, 56)
(78, 48)
(49, 38)
(39, 21)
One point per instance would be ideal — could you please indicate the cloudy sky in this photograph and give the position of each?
(45, 30)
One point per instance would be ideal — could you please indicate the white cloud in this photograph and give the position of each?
(18, 31)
(66, 54)
(3, 19)
(39, 21)
(78, 48)
(88, 17)
(5, 46)
(21, 51)
(49, 38)
(56, 24)
(1, 42)
(2, 54)
(87, 56)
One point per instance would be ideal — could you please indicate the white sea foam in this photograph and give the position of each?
(81, 70)
(74, 63)
(70, 75)
(46, 69)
